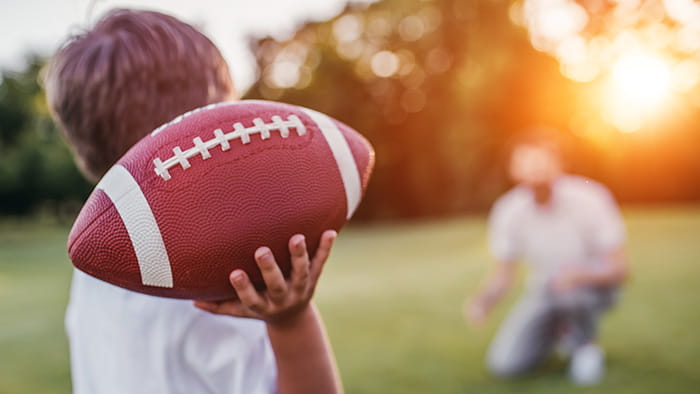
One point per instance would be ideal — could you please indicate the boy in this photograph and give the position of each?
(107, 88)
(570, 231)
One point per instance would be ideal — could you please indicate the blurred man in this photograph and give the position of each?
(568, 228)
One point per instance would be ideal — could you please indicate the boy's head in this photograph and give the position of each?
(134, 70)
(536, 157)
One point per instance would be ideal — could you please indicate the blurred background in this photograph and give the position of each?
(439, 87)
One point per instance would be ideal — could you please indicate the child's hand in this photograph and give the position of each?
(284, 299)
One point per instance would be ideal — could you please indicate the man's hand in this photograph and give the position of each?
(497, 284)
(475, 312)
(612, 273)
(567, 279)
(284, 299)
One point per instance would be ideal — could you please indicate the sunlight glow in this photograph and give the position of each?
(385, 64)
(640, 85)
(642, 79)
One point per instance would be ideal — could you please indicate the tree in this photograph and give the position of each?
(439, 87)
(36, 167)
(426, 82)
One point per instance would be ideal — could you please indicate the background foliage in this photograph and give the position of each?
(438, 87)
(465, 80)
(36, 168)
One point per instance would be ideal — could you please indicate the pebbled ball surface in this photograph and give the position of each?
(214, 215)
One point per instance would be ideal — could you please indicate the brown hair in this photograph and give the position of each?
(110, 86)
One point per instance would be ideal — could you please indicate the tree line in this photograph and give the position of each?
(438, 87)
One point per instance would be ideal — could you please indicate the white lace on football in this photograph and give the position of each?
(223, 139)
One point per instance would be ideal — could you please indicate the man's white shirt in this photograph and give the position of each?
(579, 226)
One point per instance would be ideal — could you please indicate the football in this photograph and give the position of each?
(193, 200)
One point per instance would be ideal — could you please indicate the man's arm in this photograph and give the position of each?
(614, 271)
(606, 235)
(305, 362)
(495, 287)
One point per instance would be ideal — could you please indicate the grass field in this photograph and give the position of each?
(391, 297)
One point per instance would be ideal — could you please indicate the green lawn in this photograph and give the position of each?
(391, 297)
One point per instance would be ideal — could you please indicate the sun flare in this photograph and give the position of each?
(642, 78)
(639, 87)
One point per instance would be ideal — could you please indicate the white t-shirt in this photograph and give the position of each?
(579, 227)
(126, 342)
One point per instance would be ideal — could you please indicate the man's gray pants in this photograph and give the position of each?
(539, 321)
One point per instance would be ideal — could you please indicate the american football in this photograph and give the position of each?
(193, 200)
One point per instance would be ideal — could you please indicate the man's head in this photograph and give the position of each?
(536, 157)
(133, 71)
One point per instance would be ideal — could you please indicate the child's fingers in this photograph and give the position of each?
(322, 253)
(246, 292)
(300, 262)
(272, 275)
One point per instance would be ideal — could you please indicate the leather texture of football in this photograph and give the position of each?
(193, 200)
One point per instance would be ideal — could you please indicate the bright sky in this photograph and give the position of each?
(41, 25)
